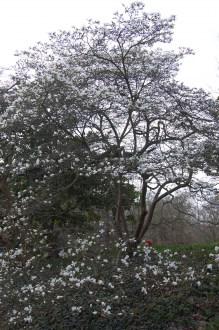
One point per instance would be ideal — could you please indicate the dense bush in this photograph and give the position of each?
(91, 286)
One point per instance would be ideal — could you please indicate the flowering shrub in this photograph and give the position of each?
(91, 285)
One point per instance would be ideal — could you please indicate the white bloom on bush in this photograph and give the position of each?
(191, 274)
(216, 249)
(12, 320)
(28, 319)
(27, 288)
(111, 285)
(40, 289)
(217, 258)
(28, 262)
(16, 253)
(28, 309)
(144, 290)
(137, 276)
(173, 265)
(209, 267)
(76, 309)
(107, 310)
(62, 254)
(155, 271)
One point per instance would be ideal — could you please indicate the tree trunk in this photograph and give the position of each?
(143, 209)
(147, 222)
(124, 222)
(118, 217)
(144, 223)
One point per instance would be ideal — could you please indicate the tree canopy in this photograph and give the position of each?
(104, 100)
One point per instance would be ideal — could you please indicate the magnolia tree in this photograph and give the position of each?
(104, 100)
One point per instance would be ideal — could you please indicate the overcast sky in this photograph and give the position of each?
(24, 22)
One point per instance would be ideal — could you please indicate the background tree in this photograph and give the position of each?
(184, 220)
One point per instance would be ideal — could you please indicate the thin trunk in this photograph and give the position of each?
(143, 209)
(132, 244)
(147, 222)
(118, 218)
(124, 222)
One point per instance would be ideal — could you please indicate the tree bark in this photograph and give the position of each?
(147, 222)
(143, 209)
(124, 222)
(118, 218)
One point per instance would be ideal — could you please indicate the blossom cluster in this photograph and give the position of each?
(90, 277)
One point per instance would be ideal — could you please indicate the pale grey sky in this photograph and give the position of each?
(24, 22)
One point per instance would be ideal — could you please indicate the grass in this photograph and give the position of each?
(209, 247)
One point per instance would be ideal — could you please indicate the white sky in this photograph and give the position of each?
(24, 22)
